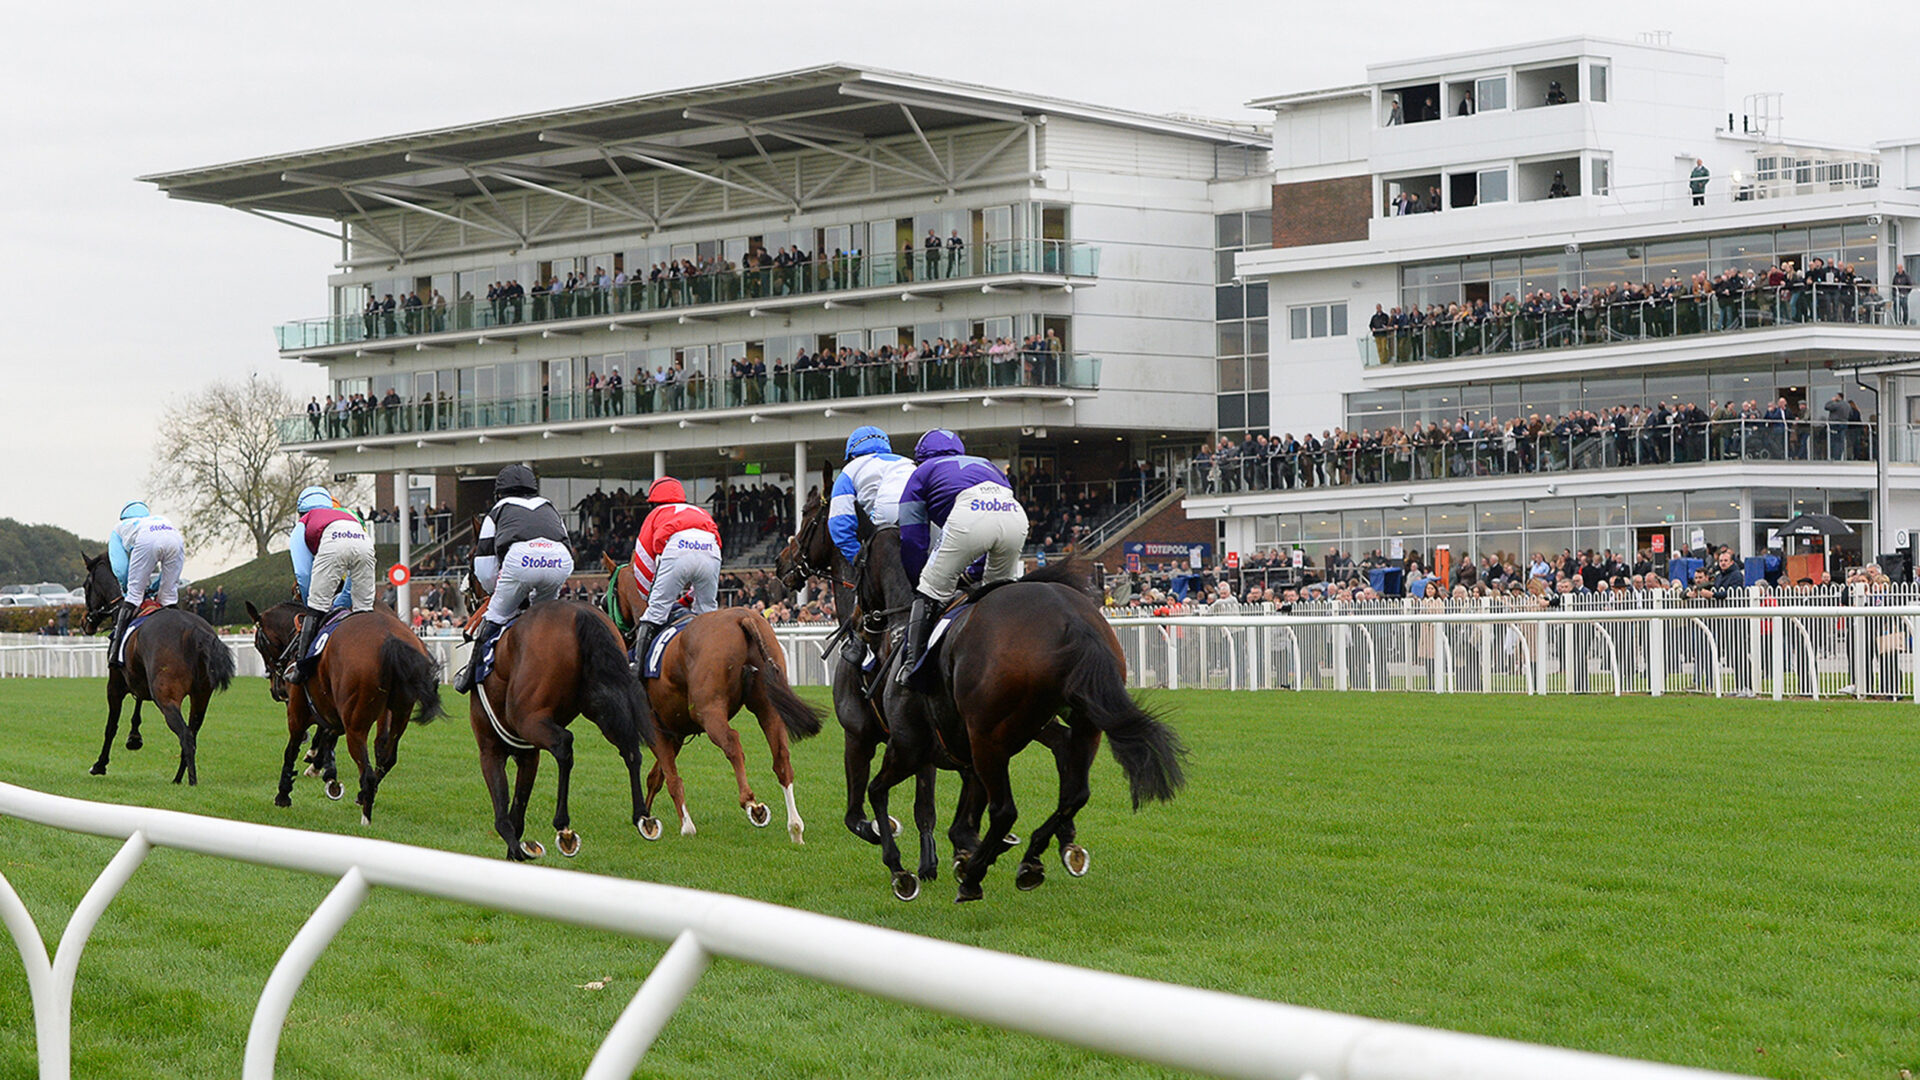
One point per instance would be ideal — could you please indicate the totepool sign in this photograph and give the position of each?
(1151, 552)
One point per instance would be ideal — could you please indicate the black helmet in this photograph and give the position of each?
(515, 480)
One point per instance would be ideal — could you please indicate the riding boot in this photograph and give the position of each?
(920, 623)
(489, 629)
(122, 618)
(643, 635)
(297, 668)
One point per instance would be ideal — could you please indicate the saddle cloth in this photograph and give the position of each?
(657, 648)
(925, 676)
(332, 623)
(483, 664)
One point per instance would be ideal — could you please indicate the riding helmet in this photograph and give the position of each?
(666, 490)
(135, 509)
(515, 480)
(867, 440)
(314, 498)
(938, 443)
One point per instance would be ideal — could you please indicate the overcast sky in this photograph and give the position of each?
(120, 299)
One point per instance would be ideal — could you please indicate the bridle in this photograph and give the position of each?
(104, 612)
(801, 569)
(276, 672)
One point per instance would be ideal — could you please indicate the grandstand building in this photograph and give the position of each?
(1582, 202)
(495, 277)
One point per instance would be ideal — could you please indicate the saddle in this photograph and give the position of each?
(483, 664)
(925, 676)
(677, 620)
(327, 626)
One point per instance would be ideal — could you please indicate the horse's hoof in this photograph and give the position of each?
(758, 815)
(568, 842)
(1075, 859)
(134, 743)
(905, 885)
(100, 769)
(930, 871)
(969, 892)
(1030, 877)
(686, 827)
(283, 800)
(366, 819)
(1012, 841)
(895, 822)
(796, 832)
(650, 828)
(533, 849)
(865, 830)
(336, 790)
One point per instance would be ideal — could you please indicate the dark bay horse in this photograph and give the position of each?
(172, 657)
(721, 661)
(1029, 651)
(872, 600)
(372, 677)
(559, 660)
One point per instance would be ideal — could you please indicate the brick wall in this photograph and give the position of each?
(1170, 526)
(1322, 211)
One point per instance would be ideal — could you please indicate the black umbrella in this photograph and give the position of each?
(1816, 525)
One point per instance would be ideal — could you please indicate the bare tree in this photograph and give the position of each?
(218, 459)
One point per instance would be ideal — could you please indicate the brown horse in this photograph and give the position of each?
(172, 657)
(1028, 651)
(371, 677)
(560, 659)
(719, 662)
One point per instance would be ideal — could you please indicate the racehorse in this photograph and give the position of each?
(1029, 650)
(173, 656)
(720, 661)
(870, 598)
(370, 678)
(560, 659)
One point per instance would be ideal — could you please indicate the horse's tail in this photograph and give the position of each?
(610, 695)
(411, 678)
(214, 655)
(802, 720)
(1146, 748)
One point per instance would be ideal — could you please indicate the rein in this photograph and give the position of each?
(610, 603)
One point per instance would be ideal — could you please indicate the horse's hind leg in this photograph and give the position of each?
(493, 772)
(858, 760)
(776, 730)
(713, 719)
(903, 758)
(134, 742)
(116, 695)
(369, 779)
(526, 766)
(1073, 757)
(296, 735)
(666, 754)
(560, 745)
(997, 789)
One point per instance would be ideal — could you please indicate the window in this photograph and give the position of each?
(1490, 93)
(1230, 230)
(1493, 185)
(1602, 176)
(1317, 321)
(1597, 81)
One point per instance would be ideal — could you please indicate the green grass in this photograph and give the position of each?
(1721, 884)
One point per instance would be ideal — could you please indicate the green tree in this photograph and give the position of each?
(34, 553)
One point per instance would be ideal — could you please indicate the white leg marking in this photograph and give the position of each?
(796, 829)
(686, 822)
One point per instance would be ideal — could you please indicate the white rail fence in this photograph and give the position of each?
(1203, 1031)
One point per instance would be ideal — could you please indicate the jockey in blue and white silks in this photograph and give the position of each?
(956, 508)
(333, 562)
(870, 481)
(142, 545)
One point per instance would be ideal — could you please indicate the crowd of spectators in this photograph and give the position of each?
(1629, 310)
(1622, 435)
(749, 515)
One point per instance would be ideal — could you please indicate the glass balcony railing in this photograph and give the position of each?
(1403, 457)
(1582, 325)
(826, 275)
(1011, 370)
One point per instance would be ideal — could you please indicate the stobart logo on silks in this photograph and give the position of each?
(540, 562)
(992, 506)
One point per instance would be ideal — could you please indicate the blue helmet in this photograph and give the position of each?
(867, 440)
(314, 498)
(135, 509)
(938, 443)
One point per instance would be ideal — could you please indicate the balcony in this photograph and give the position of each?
(1482, 453)
(1018, 375)
(1660, 319)
(850, 278)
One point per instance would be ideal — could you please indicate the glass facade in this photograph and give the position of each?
(1240, 319)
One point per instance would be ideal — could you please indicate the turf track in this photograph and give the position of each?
(1723, 884)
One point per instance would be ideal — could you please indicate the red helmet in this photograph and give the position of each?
(666, 490)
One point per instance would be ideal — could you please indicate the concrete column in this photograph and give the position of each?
(800, 481)
(659, 464)
(403, 597)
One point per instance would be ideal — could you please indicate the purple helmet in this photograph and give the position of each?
(938, 443)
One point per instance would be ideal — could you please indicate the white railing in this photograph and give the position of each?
(1181, 1027)
(1749, 649)
(31, 656)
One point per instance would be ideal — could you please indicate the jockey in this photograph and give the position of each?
(333, 562)
(678, 550)
(141, 545)
(955, 509)
(870, 482)
(521, 555)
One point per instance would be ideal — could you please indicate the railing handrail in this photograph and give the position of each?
(1177, 1026)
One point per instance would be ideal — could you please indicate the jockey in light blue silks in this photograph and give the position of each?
(333, 561)
(955, 509)
(870, 482)
(143, 544)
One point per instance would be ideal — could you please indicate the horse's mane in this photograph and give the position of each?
(1069, 572)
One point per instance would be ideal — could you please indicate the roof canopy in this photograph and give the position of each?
(831, 106)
